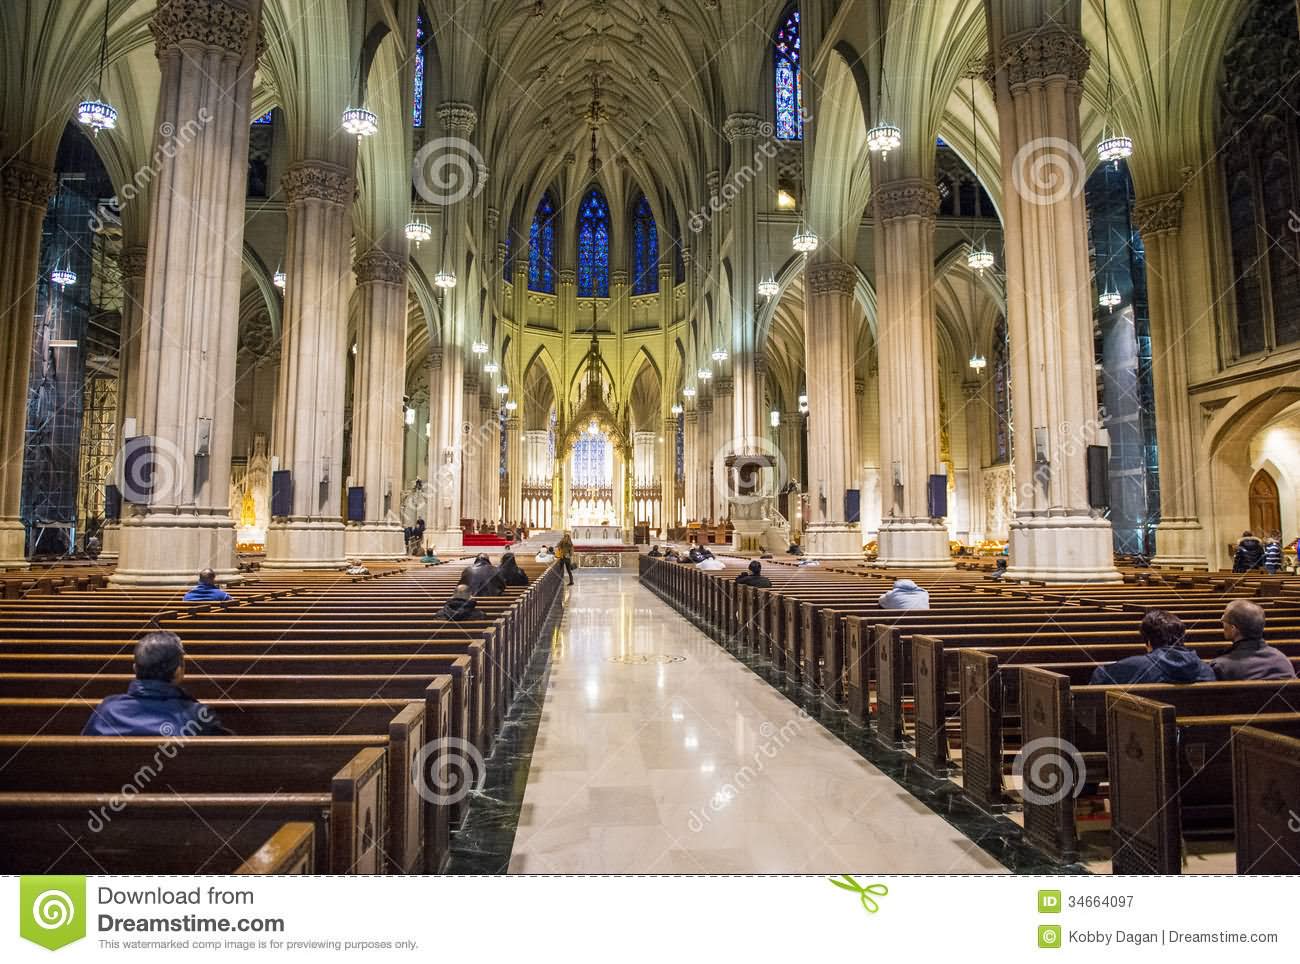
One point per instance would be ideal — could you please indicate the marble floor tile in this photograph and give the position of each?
(658, 752)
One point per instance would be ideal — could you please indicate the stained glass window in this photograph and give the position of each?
(1001, 394)
(645, 249)
(417, 108)
(541, 247)
(592, 462)
(593, 246)
(265, 118)
(505, 261)
(788, 82)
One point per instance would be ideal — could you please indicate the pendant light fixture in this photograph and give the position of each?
(1114, 145)
(97, 114)
(768, 288)
(419, 232)
(359, 121)
(719, 355)
(446, 278)
(805, 241)
(63, 277)
(279, 279)
(979, 258)
(1109, 297)
(884, 136)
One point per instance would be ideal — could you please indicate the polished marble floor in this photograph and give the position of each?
(658, 752)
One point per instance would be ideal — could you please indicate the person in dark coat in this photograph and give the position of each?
(753, 576)
(1166, 660)
(510, 571)
(207, 590)
(154, 704)
(1249, 555)
(1273, 554)
(654, 552)
(483, 578)
(1250, 657)
(460, 607)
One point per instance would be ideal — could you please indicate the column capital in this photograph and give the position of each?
(723, 386)
(27, 183)
(567, 276)
(513, 422)
(206, 23)
(1159, 214)
(859, 387)
(690, 416)
(832, 278)
(704, 405)
(470, 382)
(379, 266)
(458, 118)
(132, 260)
(972, 390)
(1042, 54)
(317, 180)
(435, 358)
(493, 216)
(618, 276)
(744, 124)
(908, 198)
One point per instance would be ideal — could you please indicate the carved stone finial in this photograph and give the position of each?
(316, 180)
(911, 198)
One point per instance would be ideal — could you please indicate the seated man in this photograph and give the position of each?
(483, 578)
(1166, 660)
(697, 553)
(459, 607)
(510, 571)
(154, 703)
(654, 552)
(1250, 657)
(430, 558)
(207, 590)
(753, 576)
(905, 595)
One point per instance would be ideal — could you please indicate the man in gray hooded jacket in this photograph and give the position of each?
(905, 595)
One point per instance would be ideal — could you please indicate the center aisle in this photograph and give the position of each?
(660, 753)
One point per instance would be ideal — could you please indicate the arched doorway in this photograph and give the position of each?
(1265, 505)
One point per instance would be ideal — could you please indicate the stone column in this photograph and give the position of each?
(1180, 539)
(690, 445)
(132, 261)
(515, 467)
(668, 476)
(830, 334)
(977, 433)
(909, 389)
(446, 377)
(746, 430)
(308, 433)
(207, 54)
(25, 190)
(472, 447)
(704, 448)
(378, 426)
(1038, 83)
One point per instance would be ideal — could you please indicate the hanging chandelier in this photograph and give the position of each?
(978, 362)
(719, 355)
(677, 408)
(1109, 298)
(805, 242)
(704, 374)
(360, 122)
(1114, 145)
(768, 288)
(979, 259)
(479, 348)
(63, 277)
(444, 280)
(688, 392)
(279, 279)
(884, 138)
(97, 114)
(492, 368)
(503, 389)
(419, 232)
(511, 405)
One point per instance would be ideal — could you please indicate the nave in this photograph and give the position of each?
(659, 752)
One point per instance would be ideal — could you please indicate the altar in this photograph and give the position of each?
(599, 535)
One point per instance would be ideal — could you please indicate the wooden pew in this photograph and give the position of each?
(290, 851)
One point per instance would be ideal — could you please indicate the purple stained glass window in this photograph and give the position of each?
(417, 108)
(645, 249)
(788, 82)
(541, 247)
(593, 246)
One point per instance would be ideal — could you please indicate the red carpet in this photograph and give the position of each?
(483, 540)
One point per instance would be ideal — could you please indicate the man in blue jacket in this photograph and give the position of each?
(207, 590)
(154, 704)
(1166, 660)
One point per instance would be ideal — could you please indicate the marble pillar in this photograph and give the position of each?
(830, 337)
(515, 467)
(308, 433)
(378, 425)
(207, 55)
(746, 431)
(690, 441)
(704, 452)
(1038, 83)
(668, 476)
(472, 446)
(909, 388)
(1180, 540)
(977, 433)
(25, 190)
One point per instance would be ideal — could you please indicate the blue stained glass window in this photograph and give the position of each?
(645, 249)
(265, 118)
(417, 108)
(541, 247)
(505, 262)
(593, 246)
(789, 86)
